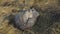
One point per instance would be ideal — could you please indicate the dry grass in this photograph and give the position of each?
(43, 24)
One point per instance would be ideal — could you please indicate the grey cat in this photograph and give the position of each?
(26, 19)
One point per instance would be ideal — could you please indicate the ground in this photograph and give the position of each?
(47, 23)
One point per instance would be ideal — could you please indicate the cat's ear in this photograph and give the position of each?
(35, 13)
(32, 9)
